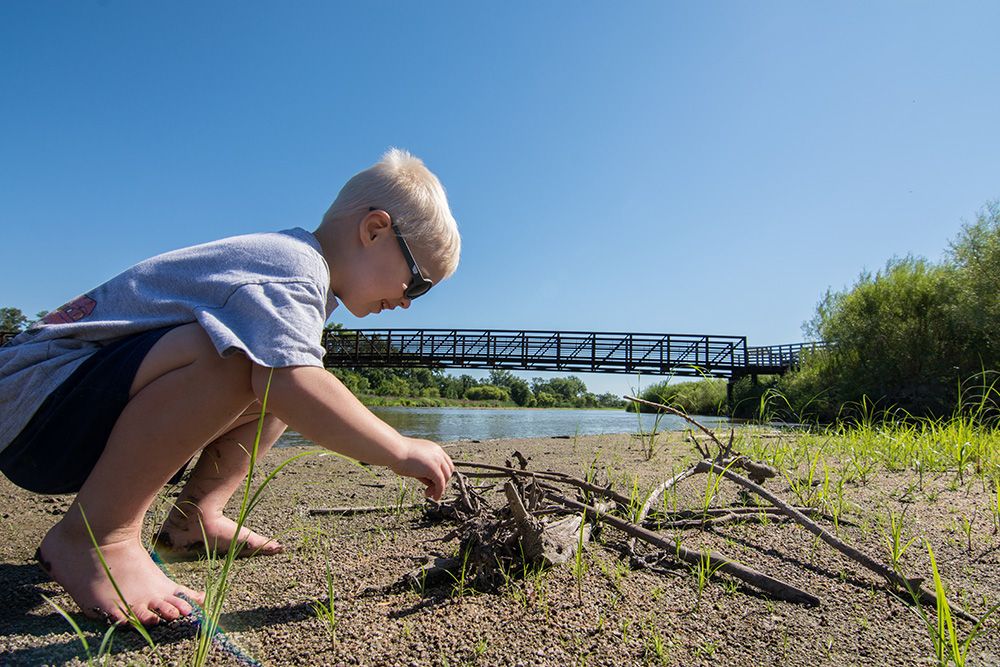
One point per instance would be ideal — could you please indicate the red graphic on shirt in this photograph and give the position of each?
(74, 311)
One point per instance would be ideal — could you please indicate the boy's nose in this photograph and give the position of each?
(405, 303)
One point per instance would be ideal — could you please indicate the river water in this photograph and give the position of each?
(450, 424)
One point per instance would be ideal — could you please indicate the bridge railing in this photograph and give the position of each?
(680, 354)
(537, 350)
(780, 356)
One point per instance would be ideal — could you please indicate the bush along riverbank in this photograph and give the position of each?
(917, 339)
(423, 387)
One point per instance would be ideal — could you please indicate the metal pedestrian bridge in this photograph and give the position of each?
(692, 355)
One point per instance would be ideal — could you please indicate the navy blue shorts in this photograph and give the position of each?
(59, 447)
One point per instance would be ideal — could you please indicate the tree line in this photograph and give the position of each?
(500, 387)
(917, 337)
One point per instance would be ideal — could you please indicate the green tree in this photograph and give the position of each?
(487, 392)
(500, 377)
(567, 390)
(545, 400)
(520, 392)
(450, 387)
(354, 381)
(610, 400)
(975, 259)
(12, 319)
(392, 385)
(896, 336)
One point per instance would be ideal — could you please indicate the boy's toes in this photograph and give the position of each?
(196, 596)
(146, 616)
(113, 617)
(180, 604)
(270, 548)
(165, 609)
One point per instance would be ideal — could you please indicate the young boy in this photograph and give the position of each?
(111, 395)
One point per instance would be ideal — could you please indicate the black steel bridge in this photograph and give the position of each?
(692, 355)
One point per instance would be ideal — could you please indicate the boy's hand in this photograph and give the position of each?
(427, 462)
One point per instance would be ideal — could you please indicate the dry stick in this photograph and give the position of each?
(717, 520)
(720, 519)
(467, 500)
(361, 510)
(682, 415)
(914, 585)
(550, 476)
(756, 470)
(775, 587)
(746, 511)
(653, 497)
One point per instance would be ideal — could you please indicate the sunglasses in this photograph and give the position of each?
(418, 285)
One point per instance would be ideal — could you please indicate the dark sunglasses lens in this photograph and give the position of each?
(418, 288)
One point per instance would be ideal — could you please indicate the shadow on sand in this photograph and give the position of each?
(26, 615)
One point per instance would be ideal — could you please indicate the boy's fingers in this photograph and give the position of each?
(431, 490)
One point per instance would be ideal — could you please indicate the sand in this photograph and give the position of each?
(611, 615)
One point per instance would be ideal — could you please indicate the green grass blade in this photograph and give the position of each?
(73, 624)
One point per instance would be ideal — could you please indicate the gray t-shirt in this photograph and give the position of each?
(265, 295)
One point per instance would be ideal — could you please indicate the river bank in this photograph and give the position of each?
(370, 401)
(609, 614)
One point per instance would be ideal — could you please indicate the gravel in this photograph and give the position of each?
(610, 615)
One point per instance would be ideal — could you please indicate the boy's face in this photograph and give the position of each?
(381, 274)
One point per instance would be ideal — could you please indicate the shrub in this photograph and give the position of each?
(701, 397)
(544, 399)
(486, 392)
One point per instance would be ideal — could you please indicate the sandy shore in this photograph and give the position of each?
(610, 615)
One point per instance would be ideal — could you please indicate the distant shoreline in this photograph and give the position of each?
(422, 402)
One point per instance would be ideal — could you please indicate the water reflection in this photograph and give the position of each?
(448, 424)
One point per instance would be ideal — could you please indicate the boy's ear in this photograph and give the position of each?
(374, 224)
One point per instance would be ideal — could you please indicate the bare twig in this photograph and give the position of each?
(362, 510)
(775, 587)
(682, 415)
(549, 476)
(654, 496)
(914, 585)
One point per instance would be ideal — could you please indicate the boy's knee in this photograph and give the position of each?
(188, 346)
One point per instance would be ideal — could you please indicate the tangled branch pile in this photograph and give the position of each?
(544, 517)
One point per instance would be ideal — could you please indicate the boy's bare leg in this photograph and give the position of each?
(183, 396)
(218, 474)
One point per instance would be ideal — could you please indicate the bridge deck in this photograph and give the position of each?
(692, 355)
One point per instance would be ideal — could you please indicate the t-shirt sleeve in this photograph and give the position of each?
(276, 324)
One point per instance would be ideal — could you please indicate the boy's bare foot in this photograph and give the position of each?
(72, 561)
(182, 539)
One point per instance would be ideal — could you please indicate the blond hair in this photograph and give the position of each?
(402, 186)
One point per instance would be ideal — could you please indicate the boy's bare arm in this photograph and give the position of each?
(316, 404)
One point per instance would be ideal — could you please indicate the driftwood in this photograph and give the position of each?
(494, 538)
(548, 475)
(775, 587)
(723, 463)
(373, 509)
(914, 585)
(434, 571)
(551, 543)
(569, 535)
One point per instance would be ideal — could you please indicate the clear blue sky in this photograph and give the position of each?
(664, 167)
